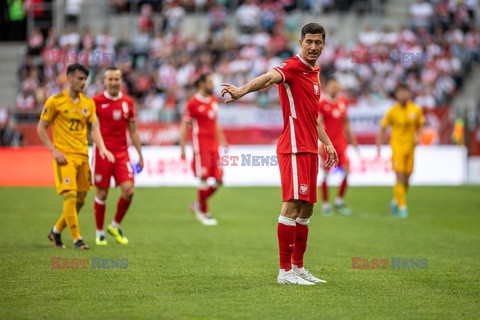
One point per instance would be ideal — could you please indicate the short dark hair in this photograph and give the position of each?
(401, 86)
(112, 68)
(201, 78)
(313, 28)
(77, 66)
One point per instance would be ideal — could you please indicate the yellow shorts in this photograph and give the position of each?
(402, 161)
(75, 175)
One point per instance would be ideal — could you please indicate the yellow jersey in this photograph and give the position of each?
(69, 122)
(405, 121)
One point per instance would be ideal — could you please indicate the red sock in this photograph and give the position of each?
(211, 191)
(202, 200)
(99, 210)
(342, 188)
(324, 191)
(122, 207)
(286, 241)
(301, 237)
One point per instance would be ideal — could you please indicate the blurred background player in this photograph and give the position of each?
(116, 115)
(69, 113)
(334, 119)
(297, 149)
(201, 114)
(406, 120)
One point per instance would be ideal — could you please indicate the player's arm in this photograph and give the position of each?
(132, 130)
(43, 135)
(221, 136)
(98, 140)
(261, 82)
(350, 135)
(380, 138)
(182, 139)
(332, 157)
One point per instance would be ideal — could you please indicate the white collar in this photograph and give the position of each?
(202, 98)
(305, 62)
(106, 94)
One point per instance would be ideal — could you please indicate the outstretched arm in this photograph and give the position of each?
(256, 84)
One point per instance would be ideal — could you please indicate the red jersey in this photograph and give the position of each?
(299, 93)
(113, 114)
(201, 113)
(334, 112)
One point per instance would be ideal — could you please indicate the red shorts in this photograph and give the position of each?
(103, 170)
(343, 159)
(298, 173)
(206, 165)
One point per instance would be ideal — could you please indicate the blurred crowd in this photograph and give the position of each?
(162, 62)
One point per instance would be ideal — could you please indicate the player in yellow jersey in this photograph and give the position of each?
(406, 120)
(70, 113)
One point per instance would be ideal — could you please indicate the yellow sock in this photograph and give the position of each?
(70, 214)
(61, 223)
(400, 194)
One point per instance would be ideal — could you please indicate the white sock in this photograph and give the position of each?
(297, 269)
(282, 272)
(115, 224)
(338, 201)
(55, 230)
(99, 233)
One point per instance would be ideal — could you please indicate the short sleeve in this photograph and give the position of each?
(421, 118)
(387, 119)
(131, 110)
(285, 70)
(321, 107)
(49, 110)
(92, 114)
(188, 113)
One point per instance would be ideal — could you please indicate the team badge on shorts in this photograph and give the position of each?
(66, 181)
(85, 111)
(303, 189)
(98, 178)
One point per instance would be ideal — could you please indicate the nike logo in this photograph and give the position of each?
(291, 245)
(105, 105)
(305, 72)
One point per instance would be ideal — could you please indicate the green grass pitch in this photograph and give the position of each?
(179, 269)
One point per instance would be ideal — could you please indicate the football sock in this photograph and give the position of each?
(122, 207)
(202, 199)
(115, 225)
(286, 241)
(343, 187)
(324, 189)
(70, 214)
(99, 210)
(61, 223)
(301, 237)
(400, 194)
(99, 233)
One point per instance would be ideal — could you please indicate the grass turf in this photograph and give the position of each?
(179, 269)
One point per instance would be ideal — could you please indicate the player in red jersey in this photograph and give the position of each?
(116, 114)
(297, 148)
(201, 114)
(333, 117)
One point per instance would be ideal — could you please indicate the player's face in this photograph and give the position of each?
(77, 81)
(208, 85)
(333, 88)
(402, 96)
(311, 47)
(113, 81)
